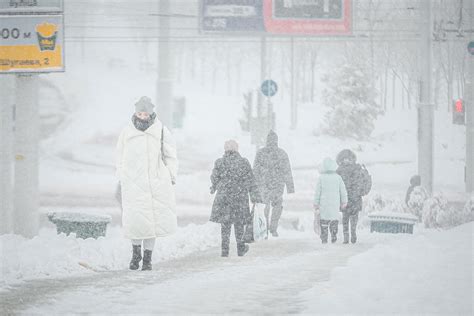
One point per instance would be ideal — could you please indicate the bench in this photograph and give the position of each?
(82, 224)
(392, 222)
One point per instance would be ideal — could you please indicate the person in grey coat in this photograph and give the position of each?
(233, 180)
(272, 171)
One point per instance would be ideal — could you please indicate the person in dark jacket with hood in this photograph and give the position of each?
(233, 180)
(350, 172)
(273, 171)
(415, 181)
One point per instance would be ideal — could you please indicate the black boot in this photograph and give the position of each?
(346, 238)
(225, 253)
(225, 248)
(147, 260)
(136, 257)
(242, 249)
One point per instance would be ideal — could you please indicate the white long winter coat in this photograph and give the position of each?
(148, 200)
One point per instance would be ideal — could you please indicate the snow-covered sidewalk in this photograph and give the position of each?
(267, 280)
(54, 256)
(429, 273)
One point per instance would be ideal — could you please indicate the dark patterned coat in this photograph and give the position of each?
(350, 174)
(233, 181)
(272, 170)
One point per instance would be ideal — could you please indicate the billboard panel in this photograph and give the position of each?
(232, 16)
(311, 17)
(31, 43)
(286, 17)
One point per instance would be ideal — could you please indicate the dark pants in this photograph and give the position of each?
(277, 208)
(225, 235)
(332, 227)
(351, 219)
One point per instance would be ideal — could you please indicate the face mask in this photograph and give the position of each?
(143, 125)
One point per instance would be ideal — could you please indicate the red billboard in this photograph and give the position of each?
(311, 17)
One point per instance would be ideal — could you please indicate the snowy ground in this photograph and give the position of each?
(426, 274)
(429, 272)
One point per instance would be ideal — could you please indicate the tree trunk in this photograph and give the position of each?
(403, 95)
(202, 68)
(436, 89)
(394, 92)
(450, 94)
(238, 81)
(385, 90)
(313, 66)
(192, 62)
(229, 72)
(410, 89)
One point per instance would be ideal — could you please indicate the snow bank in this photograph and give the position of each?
(51, 255)
(426, 273)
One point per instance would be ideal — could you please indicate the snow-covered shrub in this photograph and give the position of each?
(469, 208)
(375, 203)
(438, 214)
(454, 217)
(430, 210)
(351, 101)
(417, 199)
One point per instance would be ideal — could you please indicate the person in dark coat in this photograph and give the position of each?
(350, 172)
(273, 171)
(233, 180)
(415, 181)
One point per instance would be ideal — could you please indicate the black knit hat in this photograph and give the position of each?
(346, 157)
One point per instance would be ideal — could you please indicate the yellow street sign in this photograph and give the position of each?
(31, 43)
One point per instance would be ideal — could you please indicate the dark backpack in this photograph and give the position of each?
(365, 181)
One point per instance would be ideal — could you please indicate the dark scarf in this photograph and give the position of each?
(143, 125)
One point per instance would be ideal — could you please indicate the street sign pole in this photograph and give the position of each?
(469, 106)
(26, 188)
(6, 154)
(426, 108)
(164, 95)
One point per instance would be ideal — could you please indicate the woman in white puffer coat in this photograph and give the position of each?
(147, 166)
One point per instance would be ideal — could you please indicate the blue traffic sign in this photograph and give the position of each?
(269, 88)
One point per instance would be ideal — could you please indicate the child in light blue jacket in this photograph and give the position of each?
(330, 197)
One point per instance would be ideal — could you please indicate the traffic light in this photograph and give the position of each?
(459, 112)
